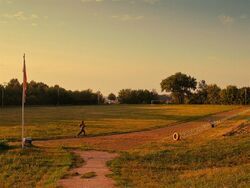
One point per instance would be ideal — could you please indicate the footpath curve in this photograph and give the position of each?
(95, 161)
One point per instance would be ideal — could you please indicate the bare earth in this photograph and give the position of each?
(95, 162)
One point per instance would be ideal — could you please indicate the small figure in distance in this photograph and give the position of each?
(212, 123)
(82, 129)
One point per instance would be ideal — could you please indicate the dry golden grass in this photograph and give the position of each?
(205, 160)
(63, 122)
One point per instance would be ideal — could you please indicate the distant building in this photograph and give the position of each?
(107, 101)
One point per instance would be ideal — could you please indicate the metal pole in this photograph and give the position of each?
(23, 120)
(23, 108)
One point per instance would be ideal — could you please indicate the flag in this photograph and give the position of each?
(24, 79)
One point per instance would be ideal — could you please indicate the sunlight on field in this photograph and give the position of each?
(201, 161)
(59, 122)
(205, 160)
(32, 167)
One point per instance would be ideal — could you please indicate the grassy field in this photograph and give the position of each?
(60, 122)
(207, 160)
(199, 162)
(33, 167)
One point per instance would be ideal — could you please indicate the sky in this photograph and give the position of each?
(109, 45)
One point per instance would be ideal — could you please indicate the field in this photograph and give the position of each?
(62, 122)
(33, 167)
(205, 160)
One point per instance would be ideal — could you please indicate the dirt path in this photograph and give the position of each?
(95, 161)
(124, 142)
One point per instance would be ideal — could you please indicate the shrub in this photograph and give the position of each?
(4, 144)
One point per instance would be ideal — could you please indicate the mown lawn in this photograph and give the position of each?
(208, 160)
(33, 167)
(60, 122)
(199, 162)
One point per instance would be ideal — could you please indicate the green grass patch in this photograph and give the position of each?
(88, 175)
(32, 167)
(76, 161)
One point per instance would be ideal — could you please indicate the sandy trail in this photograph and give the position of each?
(95, 161)
(124, 142)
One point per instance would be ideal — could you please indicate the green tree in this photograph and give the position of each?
(213, 94)
(13, 93)
(229, 95)
(200, 96)
(180, 85)
(129, 96)
(36, 93)
(112, 97)
(244, 95)
(202, 92)
(125, 96)
(1, 92)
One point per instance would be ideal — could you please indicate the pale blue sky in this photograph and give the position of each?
(108, 45)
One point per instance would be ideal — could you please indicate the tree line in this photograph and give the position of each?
(185, 89)
(180, 88)
(39, 93)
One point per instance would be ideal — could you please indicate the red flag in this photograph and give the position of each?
(24, 79)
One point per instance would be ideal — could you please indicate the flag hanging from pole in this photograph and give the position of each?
(24, 79)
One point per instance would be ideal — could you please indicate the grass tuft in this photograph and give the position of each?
(88, 175)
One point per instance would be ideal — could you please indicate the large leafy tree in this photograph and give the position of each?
(112, 96)
(13, 92)
(229, 95)
(244, 95)
(200, 97)
(213, 94)
(129, 96)
(180, 85)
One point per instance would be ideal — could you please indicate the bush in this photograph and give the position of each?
(4, 144)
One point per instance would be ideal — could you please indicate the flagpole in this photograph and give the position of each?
(23, 99)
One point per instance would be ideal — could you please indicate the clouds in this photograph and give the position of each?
(127, 17)
(124, 16)
(151, 2)
(20, 16)
(87, 1)
(229, 20)
(243, 16)
(226, 20)
(6, 1)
